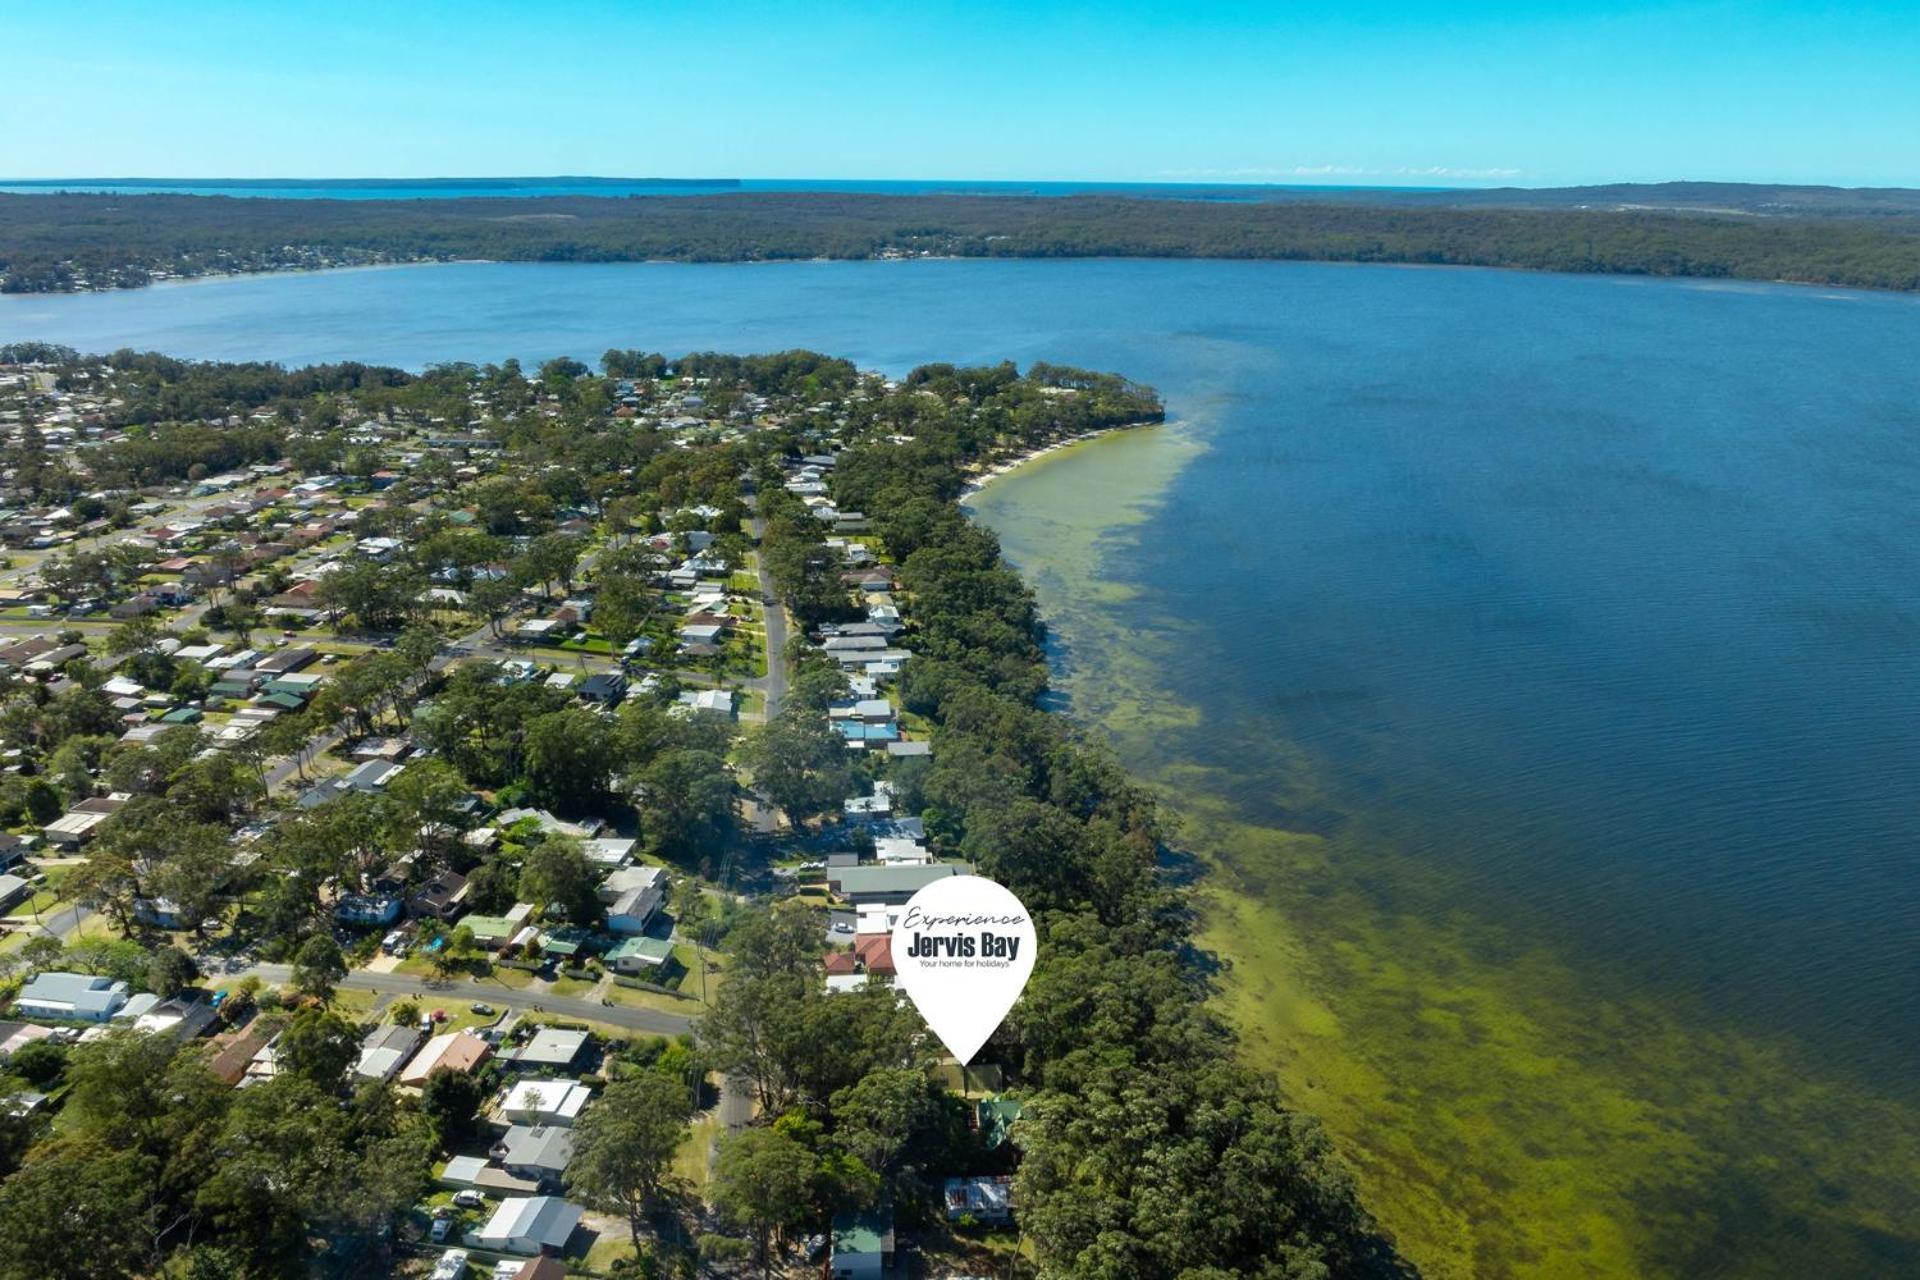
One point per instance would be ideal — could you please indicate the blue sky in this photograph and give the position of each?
(1465, 93)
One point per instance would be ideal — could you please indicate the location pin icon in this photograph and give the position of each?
(963, 950)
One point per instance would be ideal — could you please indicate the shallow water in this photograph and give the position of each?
(1534, 658)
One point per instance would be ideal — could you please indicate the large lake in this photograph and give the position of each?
(1535, 659)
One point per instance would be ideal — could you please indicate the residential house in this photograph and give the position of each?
(234, 1055)
(15, 1036)
(862, 1245)
(460, 1051)
(182, 1017)
(993, 1118)
(550, 825)
(633, 895)
(610, 852)
(477, 1171)
(385, 1050)
(367, 909)
(982, 1199)
(80, 823)
(553, 1049)
(717, 702)
(536, 1153)
(607, 688)
(13, 891)
(556, 1103)
(891, 885)
(497, 932)
(77, 997)
(529, 1224)
(440, 898)
(282, 661)
(368, 778)
(639, 957)
(898, 851)
(871, 957)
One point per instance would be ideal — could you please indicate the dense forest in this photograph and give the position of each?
(62, 241)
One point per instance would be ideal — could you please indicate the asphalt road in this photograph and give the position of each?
(651, 1021)
(774, 683)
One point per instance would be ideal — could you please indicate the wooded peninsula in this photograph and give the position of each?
(64, 242)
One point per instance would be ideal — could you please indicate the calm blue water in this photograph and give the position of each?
(1599, 596)
(1644, 555)
(321, 189)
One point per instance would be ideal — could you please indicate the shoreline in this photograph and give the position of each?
(1825, 288)
(1007, 466)
(1455, 1129)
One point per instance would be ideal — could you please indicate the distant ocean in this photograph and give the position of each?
(453, 188)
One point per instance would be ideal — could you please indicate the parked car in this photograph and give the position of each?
(441, 1226)
(469, 1199)
(484, 1010)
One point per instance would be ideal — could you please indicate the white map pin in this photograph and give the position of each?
(963, 949)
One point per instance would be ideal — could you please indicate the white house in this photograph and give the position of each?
(529, 1224)
(632, 895)
(78, 997)
(545, 1102)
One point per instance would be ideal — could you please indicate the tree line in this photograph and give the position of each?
(63, 241)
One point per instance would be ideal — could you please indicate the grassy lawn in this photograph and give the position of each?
(46, 896)
(605, 1252)
(517, 979)
(690, 1161)
(572, 988)
(634, 998)
(354, 1005)
(459, 1011)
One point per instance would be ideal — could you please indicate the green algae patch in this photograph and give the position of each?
(1507, 1111)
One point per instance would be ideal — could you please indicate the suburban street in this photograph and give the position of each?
(774, 683)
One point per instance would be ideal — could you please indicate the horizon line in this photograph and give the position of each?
(663, 180)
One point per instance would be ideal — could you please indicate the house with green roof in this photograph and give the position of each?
(994, 1117)
(565, 941)
(491, 932)
(863, 1244)
(639, 956)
